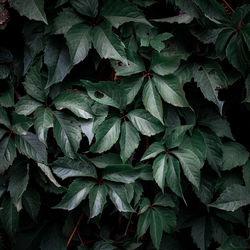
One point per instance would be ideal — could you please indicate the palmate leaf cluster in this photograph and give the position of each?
(124, 124)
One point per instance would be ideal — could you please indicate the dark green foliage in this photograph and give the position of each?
(124, 124)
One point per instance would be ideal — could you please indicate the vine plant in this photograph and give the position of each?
(124, 124)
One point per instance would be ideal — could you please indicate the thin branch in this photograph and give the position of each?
(76, 226)
(228, 5)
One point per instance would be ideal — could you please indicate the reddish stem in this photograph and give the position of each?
(167, 152)
(99, 182)
(151, 207)
(239, 26)
(80, 238)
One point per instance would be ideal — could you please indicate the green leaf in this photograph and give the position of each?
(26, 105)
(245, 31)
(173, 178)
(4, 71)
(86, 7)
(158, 44)
(35, 83)
(65, 20)
(214, 149)
(129, 140)
(191, 165)
(107, 135)
(120, 173)
(97, 199)
(159, 170)
(2, 132)
(31, 147)
(156, 228)
(65, 167)
(31, 202)
(105, 160)
(171, 90)
(144, 122)
(236, 55)
(77, 192)
(21, 123)
(153, 150)
(67, 133)
(233, 198)
(107, 43)
(122, 12)
(143, 223)
(152, 100)
(7, 153)
(19, 178)
(43, 121)
(9, 216)
(118, 195)
(234, 154)
(183, 18)
(213, 120)
(57, 59)
(246, 173)
(108, 93)
(163, 200)
(131, 86)
(201, 233)
(78, 41)
(135, 65)
(47, 171)
(75, 101)
(222, 39)
(175, 136)
(164, 65)
(210, 78)
(7, 96)
(4, 119)
(33, 9)
(234, 242)
(87, 129)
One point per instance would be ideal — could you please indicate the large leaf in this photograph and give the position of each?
(26, 105)
(233, 198)
(143, 223)
(191, 165)
(156, 228)
(164, 65)
(234, 154)
(120, 173)
(107, 43)
(118, 195)
(79, 42)
(67, 133)
(19, 178)
(107, 135)
(65, 168)
(77, 192)
(135, 65)
(7, 153)
(75, 101)
(4, 119)
(144, 122)
(31, 202)
(86, 7)
(173, 175)
(210, 79)
(31, 147)
(35, 83)
(122, 12)
(159, 170)
(108, 93)
(152, 100)
(97, 199)
(7, 96)
(171, 90)
(33, 9)
(153, 150)
(57, 59)
(43, 121)
(214, 149)
(9, 216)
(21, 124)
(129, 140)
